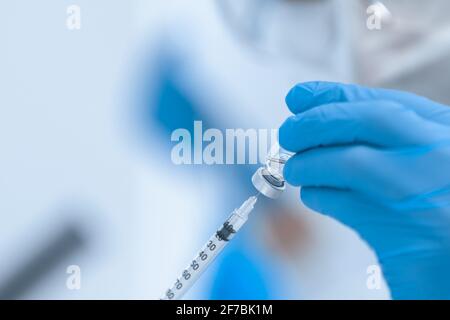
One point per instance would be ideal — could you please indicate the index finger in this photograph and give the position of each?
(307, 95)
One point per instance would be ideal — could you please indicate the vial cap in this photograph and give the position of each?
(267, 185)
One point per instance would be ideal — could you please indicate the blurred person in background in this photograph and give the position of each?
(229, 62)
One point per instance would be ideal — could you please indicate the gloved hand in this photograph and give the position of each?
(379, 162)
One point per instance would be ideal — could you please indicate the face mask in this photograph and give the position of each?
(306, 30)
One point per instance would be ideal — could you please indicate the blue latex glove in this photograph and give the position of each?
(379, 162)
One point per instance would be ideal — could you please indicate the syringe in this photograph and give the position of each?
(269, 181)
(210, 250)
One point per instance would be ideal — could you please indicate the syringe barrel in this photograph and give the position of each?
(210, 251)
(197, 266)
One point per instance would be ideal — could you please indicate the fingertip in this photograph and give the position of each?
(304, 196)
(300, 96)
(307, 95)
(307, 197)
(286, 136)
